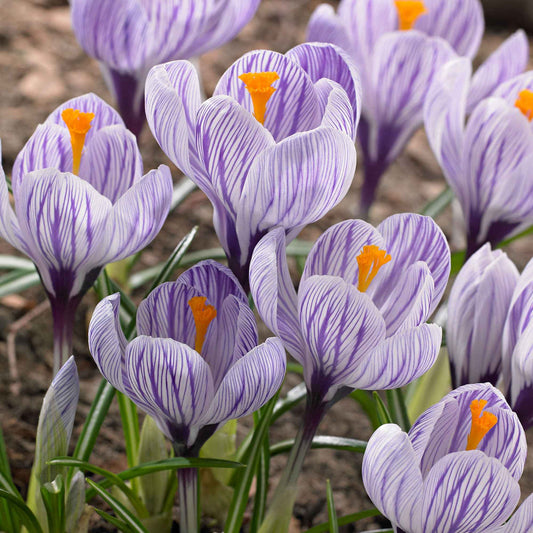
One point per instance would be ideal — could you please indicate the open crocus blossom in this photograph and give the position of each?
(486, 159)
(358, 320)
(195, 363)
(272, 147)
(129, 37)
(457, 469)
(397, 67)
(81, 202)
(477, 308)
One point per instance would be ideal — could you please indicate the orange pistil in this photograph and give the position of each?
(481, 423)
(408, 12)
(524, 102)
(78, 124)
(370, 260)
(203, 316)
(259, 87)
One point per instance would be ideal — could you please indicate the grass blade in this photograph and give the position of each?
(320, 442)
(332, 513)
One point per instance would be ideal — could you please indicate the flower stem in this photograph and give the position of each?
(63, 313)
(188, 494)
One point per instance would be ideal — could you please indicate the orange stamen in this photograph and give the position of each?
(408, 12)
(203, 316)
(524, 102)
(259, 87)
(370, 260)
(481, 423)
(78, 124)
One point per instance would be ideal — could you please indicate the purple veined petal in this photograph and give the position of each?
(410, 238)
(336, 250)
(477, 307)
(444, 121)
(294, 105)
(112, 163)
(391, 478)
(467, 492)
(107, 342)
(63, 221)
(522, 520)
(510, 89)
(171, 382)
(325, 26)
(108, 31)
(460, 22)
(48, 147)
(341, 327)
(400, 359)
(228, 140)
(317, 168)
(338, 113)
(328, 61)
(249, 383)
(9, 225)
(404, 65)
(138, 214)
(522, 377)
(273, 291)
(172, 101)
(509, 60)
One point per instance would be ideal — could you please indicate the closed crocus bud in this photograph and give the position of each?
(477, 309)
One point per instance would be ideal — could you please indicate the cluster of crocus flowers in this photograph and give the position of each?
(456, 470)
(487, 158)
(273, 147)
(129, 37)
(398, 47)
(195, 363)
(81, 201)
(358, 319)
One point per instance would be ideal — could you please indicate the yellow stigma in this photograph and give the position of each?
(408, 12)
(259, 87)
(370, 260)
(203, 316)
(524, 102)
(481, 423)
(78, 124)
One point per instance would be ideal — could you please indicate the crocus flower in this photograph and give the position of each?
(477, 309)
(522, 519)
(457, 469)
(358, 320)
(486, 159)
(129, 37)
(195, 363)
(397, 67)
(272, 147)
(81, 202)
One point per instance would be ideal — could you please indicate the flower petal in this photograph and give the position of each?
(9, 225)
(522, 520)
(338, 113)
(522, 377)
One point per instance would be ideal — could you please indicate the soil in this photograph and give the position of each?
(41, 65)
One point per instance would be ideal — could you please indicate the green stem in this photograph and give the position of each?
(188, 495)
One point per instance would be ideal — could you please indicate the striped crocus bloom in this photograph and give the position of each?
(485, 152)
(81, 201)
(272, 147)
(129, 37)
(195, 363)
(457, 469)
(398, 47)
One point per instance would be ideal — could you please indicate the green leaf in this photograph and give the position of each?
(114, 521)
(18, 282)
(11, 262)
(520, 235)
(344, 520)
(322, 441)
(382, 411)
(457, 262)
(365, 400)
(53, 497)
(295, 368)
(24, 512)
(332, 513)
(438, 204)
(181, 191)
(262, 479)
(9, 520)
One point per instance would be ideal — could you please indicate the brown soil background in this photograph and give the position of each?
(41, 65)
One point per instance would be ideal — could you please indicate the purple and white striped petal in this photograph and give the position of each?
(337, 112)
(399, 359)
(107, 342)
(477, 308)
(521, 394)
(249, 383)
(391, 478)
(9, 225)
(273, 291)
(522, 520)
(510, 89)
(294, 105)
(467, 492)
(139, 214)
(171, 382)
(460, 22)
(341, 326)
